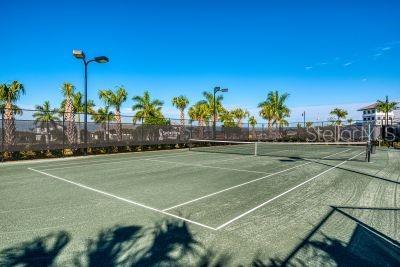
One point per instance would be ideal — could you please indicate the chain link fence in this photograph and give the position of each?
(22, 131)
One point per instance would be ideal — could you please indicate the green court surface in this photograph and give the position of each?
(319, 206)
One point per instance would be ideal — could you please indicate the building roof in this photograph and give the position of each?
(372, 106)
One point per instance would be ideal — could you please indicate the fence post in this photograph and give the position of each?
(107, 133)
(141, 134)
(63, 134)
(2, 135)
(262, 131)
(191, 130)
(248, 131)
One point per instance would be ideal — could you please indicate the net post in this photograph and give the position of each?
(190, 144)
(369, 145)
(255, 148)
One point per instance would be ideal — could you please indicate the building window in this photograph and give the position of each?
(364, 119)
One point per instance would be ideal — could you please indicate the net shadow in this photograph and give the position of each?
(366, 246)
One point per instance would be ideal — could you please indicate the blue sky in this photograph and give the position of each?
(323, 53)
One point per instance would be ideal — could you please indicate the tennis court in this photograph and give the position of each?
(244, 208)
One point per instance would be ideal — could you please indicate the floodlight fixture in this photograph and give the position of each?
(78, 54)
(101, 59)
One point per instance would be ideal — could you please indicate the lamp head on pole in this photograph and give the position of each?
(78, 54)
(219, 89)
(101, 59)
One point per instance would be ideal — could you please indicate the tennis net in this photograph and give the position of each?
(278, 149)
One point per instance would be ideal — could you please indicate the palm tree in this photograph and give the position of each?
(200, 112)
(281, 122)
(386, 107)
(274, 108)
(340, 114)
(115, 100)
(68, 109)
(309, 124)
(102, 116)
(350, 121)
(267, 113)
(209, 101)
(45, 117)
(9, 94)
(181, 102)
(78, 107)
(240, 114)
(228, 118)
(253, 122)
(146, 108)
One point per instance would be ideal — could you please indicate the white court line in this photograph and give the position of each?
(248, 182)
(123, 199)
(284, 193)
(107, 160)
(113, 162)
(204, 166)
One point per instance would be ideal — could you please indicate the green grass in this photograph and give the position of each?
(221, 208)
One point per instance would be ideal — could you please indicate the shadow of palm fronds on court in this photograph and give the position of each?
(41, 251)
(167, 243)
(363, 246)
(111, 247)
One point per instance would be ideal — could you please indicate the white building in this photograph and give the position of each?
(371, 114)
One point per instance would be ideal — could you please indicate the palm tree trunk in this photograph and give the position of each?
(70, 121)
(387, 117)
(47, 133)
(119, 126)
(269, 128)
(201, 128)
(105, 131)
(182, 115)
(9, 125)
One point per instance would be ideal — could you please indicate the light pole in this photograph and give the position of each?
(304, 118)
(216, 89)
(101, 59)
